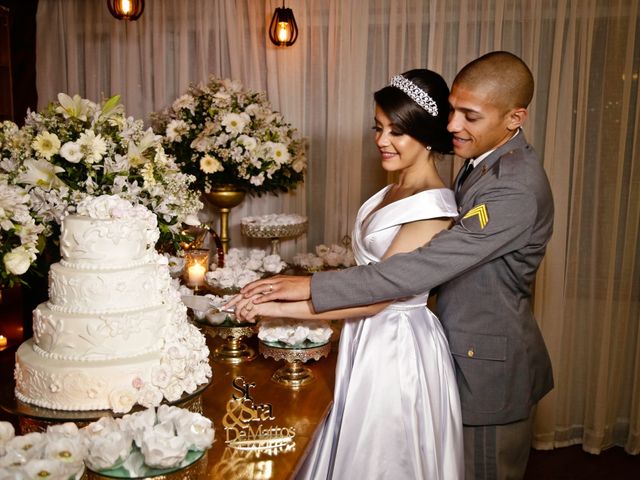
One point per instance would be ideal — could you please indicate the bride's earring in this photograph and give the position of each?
(428, 148)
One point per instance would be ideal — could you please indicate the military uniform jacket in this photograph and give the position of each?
(485, 266)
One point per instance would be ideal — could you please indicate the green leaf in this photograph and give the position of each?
(111, 104)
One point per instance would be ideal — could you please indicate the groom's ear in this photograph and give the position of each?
(516, 118)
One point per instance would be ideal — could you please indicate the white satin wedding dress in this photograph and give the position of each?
(396, 411)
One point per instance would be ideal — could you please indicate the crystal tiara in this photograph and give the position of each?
(416, 94)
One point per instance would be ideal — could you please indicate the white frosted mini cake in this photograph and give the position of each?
(114, 331)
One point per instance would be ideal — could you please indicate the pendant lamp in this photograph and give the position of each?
(283, 30)
(126, 9)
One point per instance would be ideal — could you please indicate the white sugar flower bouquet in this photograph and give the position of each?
(21, 238)
(326, 257)
(57, 453)
(224, 134)
(146, 443)
(77, 148)
(242, 267)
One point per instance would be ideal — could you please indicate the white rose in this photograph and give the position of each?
(30, 445)
(273, 264)
(108, 450)
(319, 332)
(17, 261)
(137, 423)
(12, 459)
(297, 336)
(163, 451)
(254, 264)
(122, 400)
(166, 413)
(67, 450)
(67, 430)
(195, 429)
(100, 427)
(257, 253)
(316, 263)
(333, 259)
(7, 432)
(150, 396)
(44, 469)
(349, 259)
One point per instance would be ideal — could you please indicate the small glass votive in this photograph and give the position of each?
(196, 266)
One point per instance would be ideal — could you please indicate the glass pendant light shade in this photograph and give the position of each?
(126, 9)
(283, 30)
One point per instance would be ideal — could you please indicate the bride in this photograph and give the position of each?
(396, 411)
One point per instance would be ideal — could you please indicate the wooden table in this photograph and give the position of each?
(303, 410)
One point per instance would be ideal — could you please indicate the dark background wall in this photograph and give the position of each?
(22, 24)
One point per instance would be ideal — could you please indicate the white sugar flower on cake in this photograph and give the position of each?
(294, 333)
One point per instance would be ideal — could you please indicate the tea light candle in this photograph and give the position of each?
(3, 341)
(195, 274)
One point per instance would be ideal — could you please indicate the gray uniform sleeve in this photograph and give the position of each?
(499, 222)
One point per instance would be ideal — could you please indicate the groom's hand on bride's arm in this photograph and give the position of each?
(280, 287)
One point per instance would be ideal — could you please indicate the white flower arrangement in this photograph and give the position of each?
(77, 148)
(224, 134)
(325, 257)
(135, 444)
(57, 453)
(294, 333)
(21, 238)
(243, 267)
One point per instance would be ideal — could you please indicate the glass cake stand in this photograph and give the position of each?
(273, 232)
(194, 468)
(233, 349)
(294, 374)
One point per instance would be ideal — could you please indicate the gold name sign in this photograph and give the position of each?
(243, 423)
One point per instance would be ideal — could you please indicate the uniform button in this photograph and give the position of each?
(470, 353)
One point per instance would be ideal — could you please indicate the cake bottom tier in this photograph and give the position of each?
(86, 385)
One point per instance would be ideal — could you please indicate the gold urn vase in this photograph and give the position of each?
(224, 198)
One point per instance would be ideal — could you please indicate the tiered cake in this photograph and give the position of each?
(114, 331)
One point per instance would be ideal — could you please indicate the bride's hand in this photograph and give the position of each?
(249, 311)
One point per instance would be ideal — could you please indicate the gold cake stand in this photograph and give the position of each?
(233, 349)
(294, 374)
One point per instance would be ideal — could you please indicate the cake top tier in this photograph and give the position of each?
(108, 231)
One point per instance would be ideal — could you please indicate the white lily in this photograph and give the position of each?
(42, 174)
(77, 106)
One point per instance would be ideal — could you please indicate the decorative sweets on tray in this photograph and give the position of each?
(288, 333)
(272, 225)
(325, 258)
(141, 444)
(242, 267)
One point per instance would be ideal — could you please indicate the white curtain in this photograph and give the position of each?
(584, 119)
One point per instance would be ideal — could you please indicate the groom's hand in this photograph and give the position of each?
(280, 287)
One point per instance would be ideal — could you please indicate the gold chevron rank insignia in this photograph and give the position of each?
(481, 212)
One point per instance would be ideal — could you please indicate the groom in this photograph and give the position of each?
(485, 266)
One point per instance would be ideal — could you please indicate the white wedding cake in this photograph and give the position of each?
(114, 331)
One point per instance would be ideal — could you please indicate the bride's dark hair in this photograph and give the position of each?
(410, 118)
